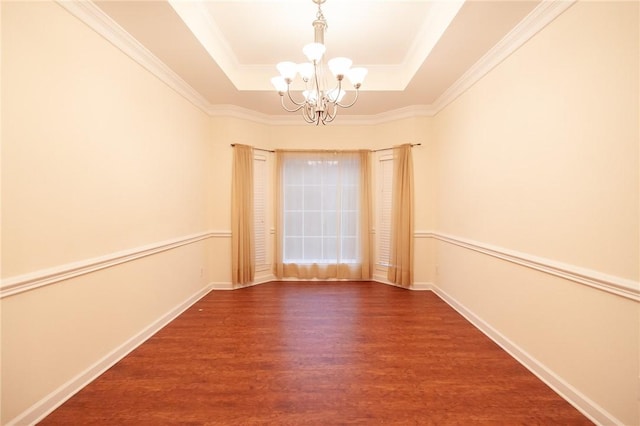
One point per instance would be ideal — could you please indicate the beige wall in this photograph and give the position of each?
(541, 157)
(98, 157)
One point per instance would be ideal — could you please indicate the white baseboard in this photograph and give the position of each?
(265, 279)
(421, 286)
(416, 286)
(585, 405)
(225, 285)
(46, 405)
(222, 286)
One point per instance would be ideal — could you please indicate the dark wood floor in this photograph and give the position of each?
(318, 353)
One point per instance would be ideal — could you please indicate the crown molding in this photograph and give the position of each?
(97, 20)
(101, 23)
(234, 111)
(195, 15)
(441, 15)
(534, 22)
(198, 18)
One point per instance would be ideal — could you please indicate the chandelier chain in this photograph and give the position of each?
(320, 17)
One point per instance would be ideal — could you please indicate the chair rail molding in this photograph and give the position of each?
(21, 283)
(619, 286)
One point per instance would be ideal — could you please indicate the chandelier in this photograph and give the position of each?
(320, 102)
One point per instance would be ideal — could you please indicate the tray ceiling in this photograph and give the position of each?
(227, 50)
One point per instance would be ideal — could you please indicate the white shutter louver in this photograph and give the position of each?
(384, 210)
(260, 210)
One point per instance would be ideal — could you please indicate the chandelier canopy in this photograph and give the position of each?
(320, 102)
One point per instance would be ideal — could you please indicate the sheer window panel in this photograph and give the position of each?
(294, 222)
(293, 250)
(312, 197)
(327, 184)
(312, 250)
(349, 250)
(293, 197)
(312, 223)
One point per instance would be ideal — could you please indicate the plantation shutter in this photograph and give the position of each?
(385, 167)
(260, 210)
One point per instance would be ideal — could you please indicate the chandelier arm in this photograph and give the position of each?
(287, 109)
(320, 115)
(293, 100)
(305, 114)
(331, 116)
(352, 103)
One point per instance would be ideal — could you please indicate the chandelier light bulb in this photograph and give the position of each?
(310, 95)
(339, 66)
(280, 84)
(356, 76)
(314, 51)
(336, 95)
(305, 70)
(288, 70)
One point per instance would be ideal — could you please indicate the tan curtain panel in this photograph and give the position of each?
(323, 217)
(366, 215)
(242, 232)
(400, 270)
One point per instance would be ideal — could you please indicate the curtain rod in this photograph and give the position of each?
(386, 149)
(373, 150)
(257, 149)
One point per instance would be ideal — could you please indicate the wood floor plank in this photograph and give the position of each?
(318, 353)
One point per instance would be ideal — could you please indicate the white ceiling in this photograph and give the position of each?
(226, 51)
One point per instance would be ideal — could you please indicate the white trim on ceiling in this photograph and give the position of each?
(346, 120)
(440, 16)
(197, 17)
(536, 20)
(100, 22)
(96, 19)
